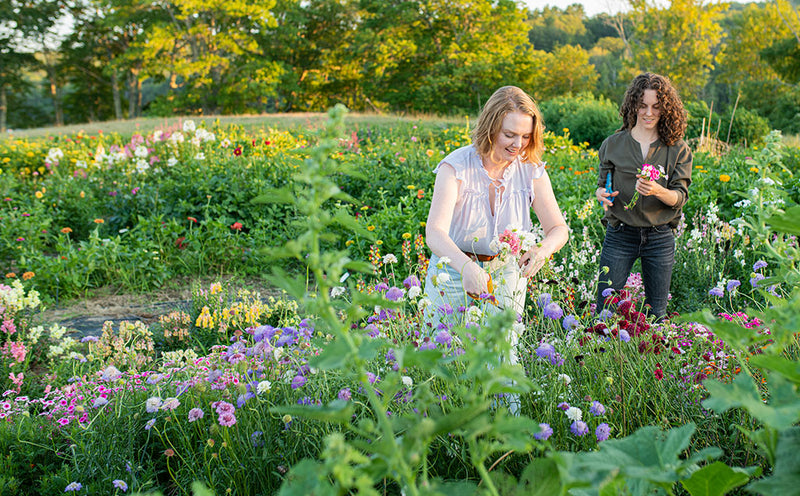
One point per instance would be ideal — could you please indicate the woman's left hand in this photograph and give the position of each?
(532, 261)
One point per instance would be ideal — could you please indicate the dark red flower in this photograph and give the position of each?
(237, 151)
(658, 372)
(180, 242)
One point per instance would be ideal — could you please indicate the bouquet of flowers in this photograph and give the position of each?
(649, 172)
(512, 243)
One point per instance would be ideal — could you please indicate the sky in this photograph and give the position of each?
(591, 7)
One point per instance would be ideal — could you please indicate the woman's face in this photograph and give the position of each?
(513, 137)
(649, 111)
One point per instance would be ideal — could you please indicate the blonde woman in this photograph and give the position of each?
(482, 189)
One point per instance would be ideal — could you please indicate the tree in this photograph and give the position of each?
(680, 41)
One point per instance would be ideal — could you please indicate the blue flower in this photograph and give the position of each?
(394, 293)
(733, 284)
(597, 408)
(716, 291)
(381, 286)
(602, 432)
(543, 300)
(579, 428)
(545, 431)
(624, 336)
(444, 338)
(298, 381)
(608, 292)
(411, 281)
(553, 311)
(754, 280)
(73, 486)
(759, 265)
(570, 323)
(545, 350)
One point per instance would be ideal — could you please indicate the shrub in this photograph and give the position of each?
(589, 118)
(748, 128)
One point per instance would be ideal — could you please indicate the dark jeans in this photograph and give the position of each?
(622, 246)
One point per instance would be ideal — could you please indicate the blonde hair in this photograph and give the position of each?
(504, 101)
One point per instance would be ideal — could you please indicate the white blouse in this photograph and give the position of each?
(474, 226)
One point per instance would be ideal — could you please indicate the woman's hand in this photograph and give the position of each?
(532, 261)
(646, 187)
(475, 279)
(604, 197)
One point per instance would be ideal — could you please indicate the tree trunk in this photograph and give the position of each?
(3, 108)
(132, 97)
(55, 94)
(116, 95)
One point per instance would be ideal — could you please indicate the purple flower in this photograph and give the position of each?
(570, 323)
(545, 350)
(444, 338)
(733, 284)
(759, 265)
(563, 406)
(597, 408)
(624, 336)
(553, 311)
(120, 484)
(381, 286)
(149, 425)
(195, 414)
(226, 419)
(372, 378)
(602, 432)
(73, 486)
(545, 431)
(298, 381)
(411, 281)
(90, 339)
(394, 293)
(543, 300)
(372, 331)
(604, 314)
(344, 394)
(607, 292)
(579, 428)
(754, 280)
(716, 291)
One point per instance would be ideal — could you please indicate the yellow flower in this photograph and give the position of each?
(83, 194)
(422, 224)
(411, 186)
(406, 235)
(28, 275)
(370, 228)
(99, 221)
(429, 153)
(349, 242)
(6, 160)
(753, 169)
(379, 242)
(38, 194)
(724, 178)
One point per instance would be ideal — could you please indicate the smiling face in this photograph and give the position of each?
(649, 111)
(512, 138)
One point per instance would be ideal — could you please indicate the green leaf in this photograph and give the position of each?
(790, 369)
(296, 288)
(785, 478)
(333, 356)
(782, 411)
(275, 195)
(715, 479)
(337, 411)
(541, 478)
(787, 222)
(306, 478)
(363, 267)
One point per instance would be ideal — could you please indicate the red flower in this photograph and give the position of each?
(192, 219)
(267, 142)
(658, 372)
(237, 151)
(237, 226)
(420, 193)
(180, 242)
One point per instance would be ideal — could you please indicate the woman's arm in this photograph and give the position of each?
(556, 232)
(437, 232)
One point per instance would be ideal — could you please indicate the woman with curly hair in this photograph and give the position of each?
(645, 172)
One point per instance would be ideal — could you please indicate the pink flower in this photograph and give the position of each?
(223, 407)
(195, 414)
(513, 241)
(227, 419)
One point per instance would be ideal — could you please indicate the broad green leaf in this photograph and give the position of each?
(306, 478)
(715, 479)
(335, 355)
(275, 195)
(788, 222)
(790, 369)
(782, 411)
(541, 478)
(338, 411)
(363, 267)
(369, 349)
(459, 419)
(785, 478)
(295, 287)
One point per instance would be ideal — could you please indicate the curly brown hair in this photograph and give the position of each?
(672, 121)
(505, 100)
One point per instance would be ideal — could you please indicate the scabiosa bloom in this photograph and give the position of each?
(553, 311)
(149, 425)
(624, 336)
(570, 323)
(298, 381)
(756, 277)
(545, 431)
(120, 484)
(411, 282)
(543, 300)
(444, 338)
(604, 314)
(344, 394)
(597, 408)
(545, 350)
(579, 428)
(381, 286)
(226, 419)
(394, 294)
(73, 486)
(99, 401)
(223, 407)
(563, 406)
(153, 404)
(195, 414)
(608, 292)
(372, 378)
(602, 432)
(170, 404)
(759, 265)
(733, 284)
(716, 291)
(574, 413)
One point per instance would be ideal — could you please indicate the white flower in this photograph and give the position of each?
(54, 154)
(574, 413)
(564, 377)
(225, 143)
(99, 401)
(407, 381)
(344, 277)
(277, 352)
(473, 314)
(442, 262)
(389, 259)
(263, 387)
(200, 156)
(441, 278)
(157, 135)
(111, 373)
(188, 126)
(424, 303)
(172, 161)
(80, 164)
(141, 165)
(414, 291)
(337, 291)
(140, 152)
(153, 404)
(176, 137)
(765, 180)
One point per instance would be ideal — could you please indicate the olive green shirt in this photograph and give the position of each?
(621, 156)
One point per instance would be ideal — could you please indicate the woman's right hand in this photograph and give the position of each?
(603, 196)
(475, 279)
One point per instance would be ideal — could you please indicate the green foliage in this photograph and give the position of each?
(747, 127)
(588, 119)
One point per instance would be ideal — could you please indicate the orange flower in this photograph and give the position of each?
(28, 275)
(237, 226)
(724, 178)
(169, 452)
(11, 275)
(99, 221)
(192, 219)
(429, 153)
(66, 230)
(420, 193)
